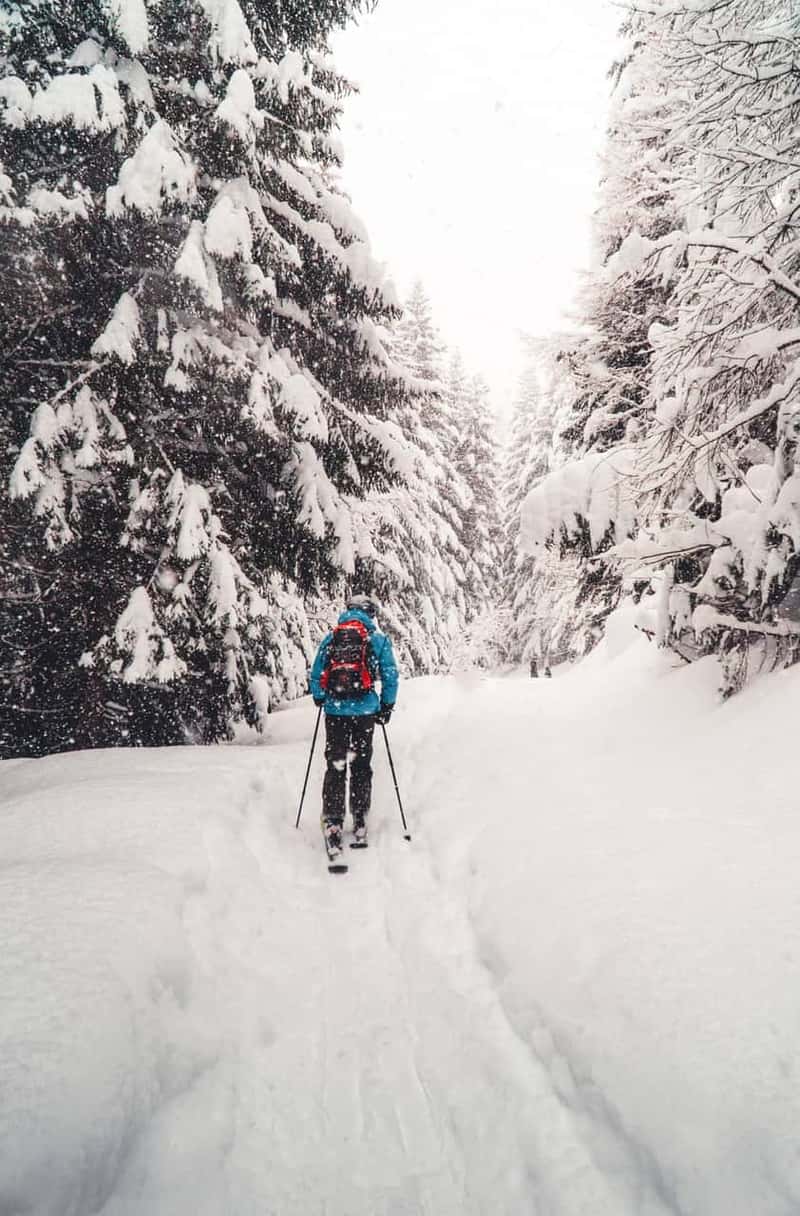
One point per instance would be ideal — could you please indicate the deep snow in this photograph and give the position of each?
(576, 991)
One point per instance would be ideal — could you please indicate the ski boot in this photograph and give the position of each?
(359, 832)
(332, 833)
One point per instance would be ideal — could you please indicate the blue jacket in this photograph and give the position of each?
(382, 666)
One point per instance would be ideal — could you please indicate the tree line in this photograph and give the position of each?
(216, 416)
(671, 415)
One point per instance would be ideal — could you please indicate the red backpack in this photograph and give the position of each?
(346, 671)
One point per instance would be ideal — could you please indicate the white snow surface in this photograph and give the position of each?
(577, 991)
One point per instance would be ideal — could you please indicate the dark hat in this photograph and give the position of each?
(364, 603)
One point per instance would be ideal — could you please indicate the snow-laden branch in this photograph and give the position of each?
(637, 250)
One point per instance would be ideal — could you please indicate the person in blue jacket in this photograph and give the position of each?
(350, 723)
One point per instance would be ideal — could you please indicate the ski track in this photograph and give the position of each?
(595, 1146)
(372, 1070)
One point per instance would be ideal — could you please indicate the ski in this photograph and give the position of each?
(336, 862)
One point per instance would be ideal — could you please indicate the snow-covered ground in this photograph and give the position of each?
(576, 991)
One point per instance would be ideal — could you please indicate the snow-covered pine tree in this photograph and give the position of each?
(611, 369)
(545, 619)
(604, 373)
(526, 460)
(455, 413)
(420, 562)
(196, 394)
(418, 345)
(476, 459)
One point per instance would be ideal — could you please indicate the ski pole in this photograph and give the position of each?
(396, 788)
(308, 770)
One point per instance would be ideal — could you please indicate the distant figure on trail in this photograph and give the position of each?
(534, 667)
(351, 660)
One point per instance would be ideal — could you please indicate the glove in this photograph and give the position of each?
(319, 702)
(384, 714)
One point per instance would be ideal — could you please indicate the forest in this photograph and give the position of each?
(219, 419)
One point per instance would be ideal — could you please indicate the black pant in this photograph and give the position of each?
(347, 738)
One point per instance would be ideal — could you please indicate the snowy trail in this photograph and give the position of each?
(374, 1070)
(417, 1096)
(533, 1008)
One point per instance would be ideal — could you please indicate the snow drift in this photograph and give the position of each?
(576, 991)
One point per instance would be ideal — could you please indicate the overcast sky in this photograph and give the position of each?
(471, 153)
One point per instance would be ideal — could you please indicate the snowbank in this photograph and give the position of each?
(632, 884)
(115, 1037)
(577, 991)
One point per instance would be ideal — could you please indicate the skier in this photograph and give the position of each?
(349, 662)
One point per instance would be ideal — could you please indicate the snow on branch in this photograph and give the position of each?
(596, 490)
(636, 251)
(144, 652)
(198, 268)
(18, 101)
(130, 19)
(234, 216)
(356, 258)
(400, 452)
(239, 109)
(311, 187)
(158, 172)
(286, 75)
(56, 205)
(73, 98)
(81, 434)
(231, 41)
(123, 333)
